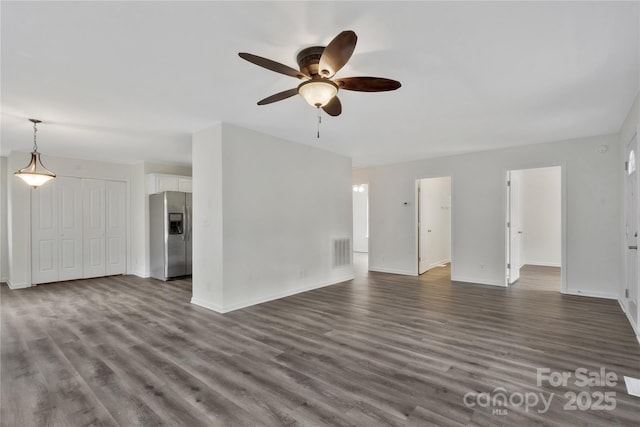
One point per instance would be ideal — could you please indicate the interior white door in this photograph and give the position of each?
(631, 229)
(422, 230)
(514, 224)
(115, 227)
(44, 234)
(70, 220)
(93, 198)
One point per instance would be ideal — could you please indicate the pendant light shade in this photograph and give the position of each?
(35, 174)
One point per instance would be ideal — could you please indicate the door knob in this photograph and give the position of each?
(634, 247)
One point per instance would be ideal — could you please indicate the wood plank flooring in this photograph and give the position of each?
(381, 349)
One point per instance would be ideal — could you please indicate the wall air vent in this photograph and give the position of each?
(341, 252)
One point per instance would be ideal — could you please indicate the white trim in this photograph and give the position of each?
(225, 309)
(474, 281)
(438, 264)
(17, 285)
(416, 230)
(543, 264)
(4, 279)
(392, 271)
(633, 326)
(207, 304)
(590, 294)
(141, 275)
(564, 251)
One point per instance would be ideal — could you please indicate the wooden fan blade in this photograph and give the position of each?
(273, 65)
(334, 107)
(367, 84)
(337, 53)
(279, 96)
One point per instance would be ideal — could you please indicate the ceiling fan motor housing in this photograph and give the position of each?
(309, 58)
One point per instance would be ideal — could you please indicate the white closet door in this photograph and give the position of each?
(70, 220)
(93, 199)
(44, 234)
(116, 227)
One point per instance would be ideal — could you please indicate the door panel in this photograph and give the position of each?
(71, 220)
(514, 224)
(94, 227)
(631, 229)
(423, 238)
(70, 198)
(44, 234)
(116, 228)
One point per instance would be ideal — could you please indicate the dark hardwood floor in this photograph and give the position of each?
(378, 350)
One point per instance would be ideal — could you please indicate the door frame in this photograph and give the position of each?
(563, 216)
(417, 221)
(367, 219)
(624, 299)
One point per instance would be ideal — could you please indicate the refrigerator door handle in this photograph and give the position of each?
(186, 223)
(188, 227)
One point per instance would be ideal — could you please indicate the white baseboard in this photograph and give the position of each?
(17, 285)
(630, 319)
(146, 276)
(581, 293)
(392, 271)
(231, 307)
(206, 304)
(477, 281)
(543, 264)
(438, 264)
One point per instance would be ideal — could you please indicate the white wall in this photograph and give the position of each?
(4, 248)
(208, 236)
(280, 205)
(541, 216)
(478, 217)
(361, 218)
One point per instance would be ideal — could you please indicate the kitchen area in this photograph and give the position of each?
(170, 226)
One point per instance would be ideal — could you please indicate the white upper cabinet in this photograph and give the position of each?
(158, 182)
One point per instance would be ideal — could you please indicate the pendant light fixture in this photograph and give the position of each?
(35, 174)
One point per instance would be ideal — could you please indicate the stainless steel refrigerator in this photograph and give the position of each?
(170, 234)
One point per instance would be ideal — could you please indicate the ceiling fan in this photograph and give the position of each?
(318, 64)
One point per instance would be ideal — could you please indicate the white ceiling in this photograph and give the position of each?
(130, 81)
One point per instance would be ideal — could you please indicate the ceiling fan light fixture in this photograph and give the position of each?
(35, 174)
(318, 92)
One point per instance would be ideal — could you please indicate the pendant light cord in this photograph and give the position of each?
(319, 121)
(35, 143)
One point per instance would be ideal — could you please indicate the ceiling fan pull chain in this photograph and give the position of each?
(319, 121)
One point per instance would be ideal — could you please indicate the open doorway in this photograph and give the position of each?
(434, 225)
(361, 227)
(534, 228)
